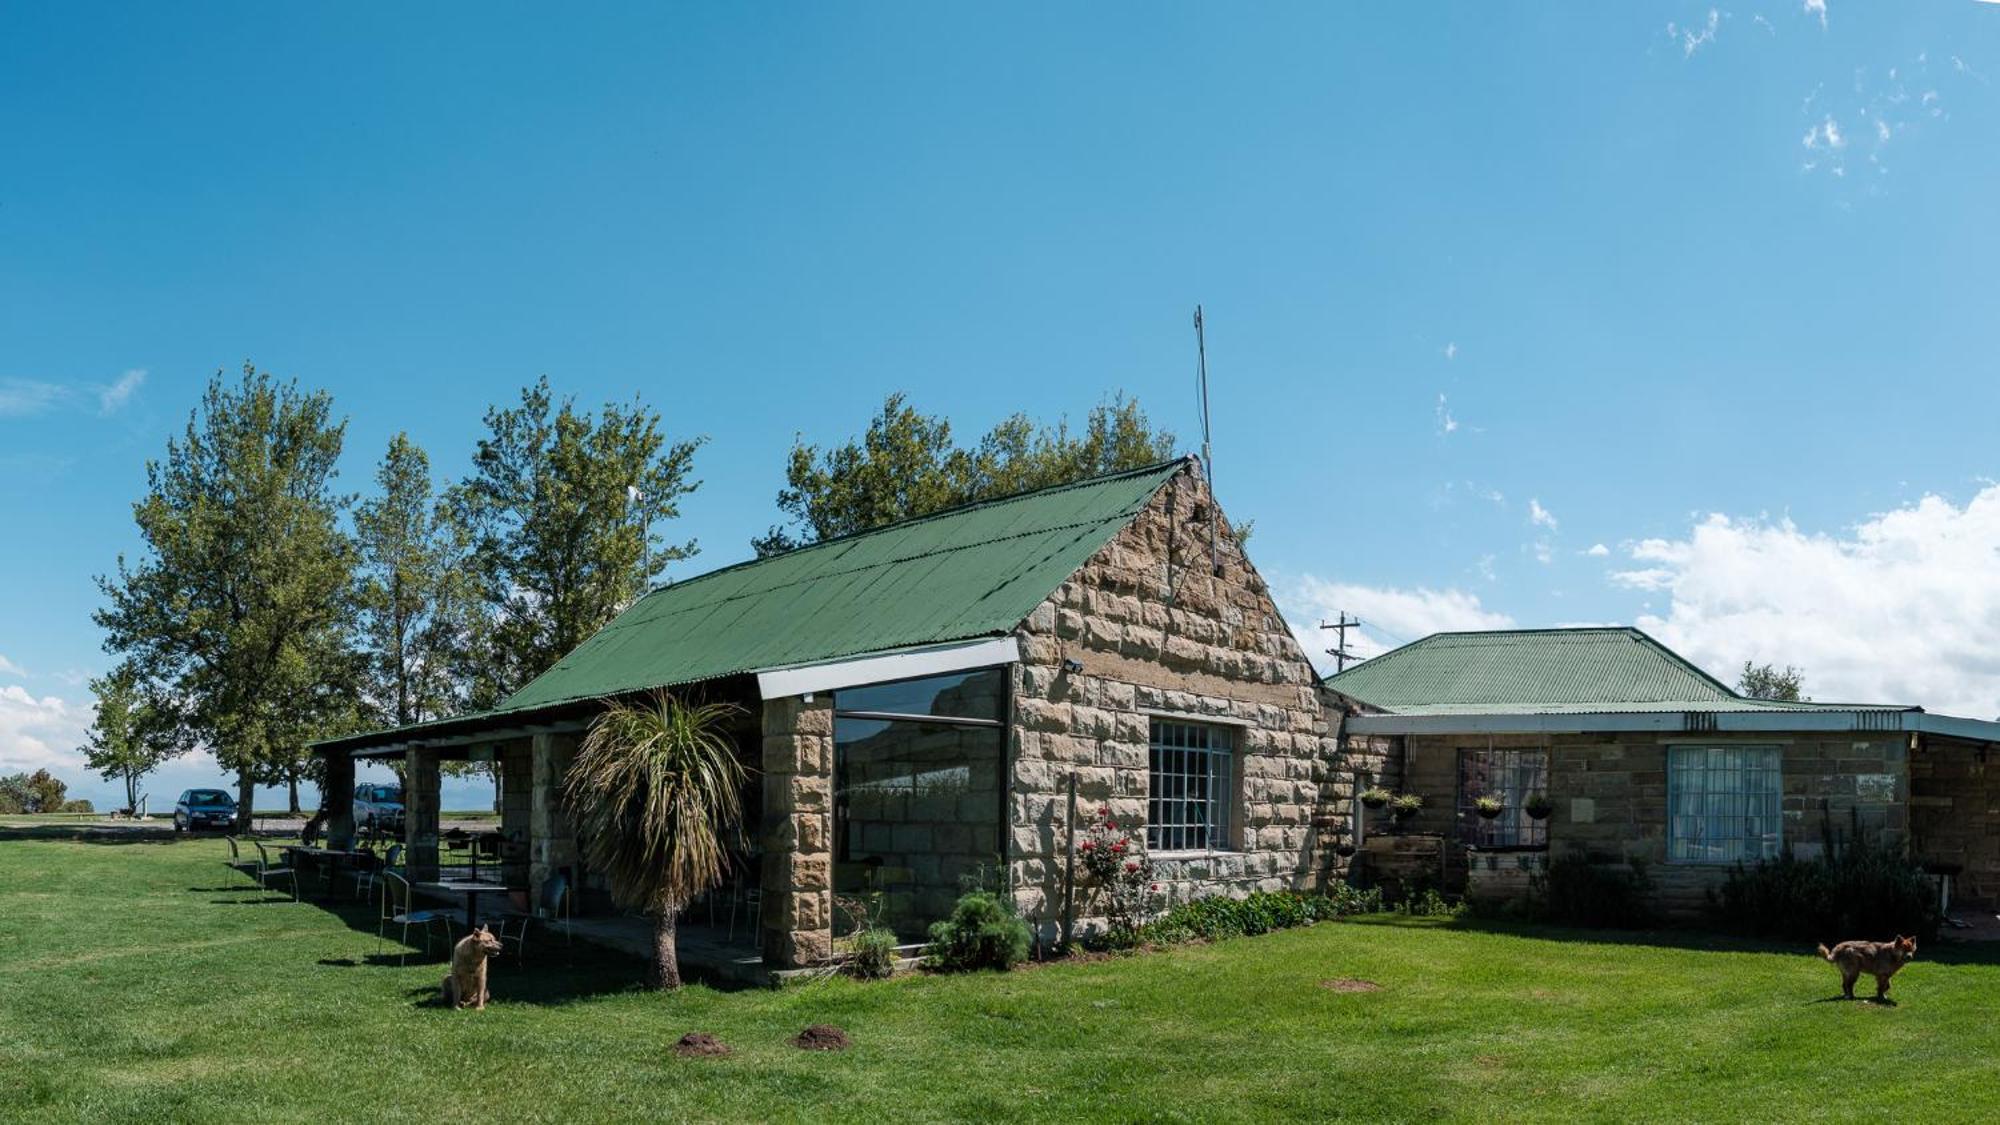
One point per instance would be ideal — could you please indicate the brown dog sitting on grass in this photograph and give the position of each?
(465, 987)
(1881, 958)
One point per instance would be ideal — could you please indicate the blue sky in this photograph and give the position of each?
(1488, 286)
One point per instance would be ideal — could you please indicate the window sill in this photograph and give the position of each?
(1186, 855)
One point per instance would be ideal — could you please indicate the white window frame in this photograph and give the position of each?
(1725, 803)
(1168, 830)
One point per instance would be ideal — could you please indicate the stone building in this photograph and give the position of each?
(1643, 756)
(939, 703)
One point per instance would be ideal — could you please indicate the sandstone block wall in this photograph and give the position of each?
(1610, 793)
(1159, 632)
(1955, 815)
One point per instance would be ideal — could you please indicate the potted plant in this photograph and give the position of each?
(1406, 806)
(1538, 806)
(1375, 796)
(1344, 850)
(1488, 806)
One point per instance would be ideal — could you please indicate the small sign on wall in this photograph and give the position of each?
(1583, 810)
(1875, 786)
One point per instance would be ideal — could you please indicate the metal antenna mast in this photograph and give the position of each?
(1339, 650)
(1207, 457)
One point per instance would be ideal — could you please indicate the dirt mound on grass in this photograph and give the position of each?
(1349, 984)
(696, 1044)
(821, 1037)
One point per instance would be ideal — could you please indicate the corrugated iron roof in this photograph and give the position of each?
(1545, 671)
(969, 572)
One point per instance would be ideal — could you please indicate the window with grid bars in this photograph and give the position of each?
(1724, 803)
(1190, 787)
(1511, 775)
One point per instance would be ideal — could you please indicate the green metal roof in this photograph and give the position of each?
(970, 572)
(1544, 671)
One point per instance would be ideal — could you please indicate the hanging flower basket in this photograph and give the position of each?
(1375, 798)
(1344, 851)
(1406, 806)
(1488, 807)
(1538, 806)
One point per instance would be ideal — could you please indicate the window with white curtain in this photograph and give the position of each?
(1724, 803)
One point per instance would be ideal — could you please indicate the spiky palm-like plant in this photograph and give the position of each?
(655, 788)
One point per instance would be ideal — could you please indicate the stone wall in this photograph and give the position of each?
(551, 839)
(1161, 630)
(515, 763)
(1955, 815)
(1610, 793)
(797, 831)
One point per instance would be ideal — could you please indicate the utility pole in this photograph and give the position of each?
(1339, 650)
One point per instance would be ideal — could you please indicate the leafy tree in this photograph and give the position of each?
(1764, 681)
(419, 600)
(906, 465)
(46, 792)
(38, 792)
(655, 789)
(563, 506)
(243, 603)
(134, 732)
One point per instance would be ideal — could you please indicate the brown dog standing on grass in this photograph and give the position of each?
(1882, 958)
(465, 987)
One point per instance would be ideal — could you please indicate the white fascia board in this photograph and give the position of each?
(1664, 722)
(1951, 726)
(936, 660)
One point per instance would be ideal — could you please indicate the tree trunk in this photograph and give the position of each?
(666, 957)
(293, 795)
(246, 796)
(132, 792)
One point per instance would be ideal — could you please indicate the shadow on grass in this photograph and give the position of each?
(1941, 952)
(87, 833)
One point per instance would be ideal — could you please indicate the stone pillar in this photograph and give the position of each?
(420, 813)
(514, 762)
(336, 799)
(798, 831)
(551, 839)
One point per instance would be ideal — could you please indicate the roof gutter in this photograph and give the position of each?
(1681, 722)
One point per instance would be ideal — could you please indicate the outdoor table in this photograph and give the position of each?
(469, 891)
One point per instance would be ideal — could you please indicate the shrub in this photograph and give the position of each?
(1429, 904)
(1217, 917)
(1120, 874)
(1577, 892)
(872, 954)
(982, 933)
(1865, 890)
(78, 806)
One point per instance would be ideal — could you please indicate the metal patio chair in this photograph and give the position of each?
(397, 910)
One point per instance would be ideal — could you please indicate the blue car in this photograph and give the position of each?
(204, 808)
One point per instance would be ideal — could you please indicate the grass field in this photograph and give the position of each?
(143, 980)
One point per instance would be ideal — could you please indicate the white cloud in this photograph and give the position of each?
(9, 668)
(1445, 422)
(1818, 8)
(1693, 39)
(22, 397)
(1393, 615)
(112, 398)
(1825, 135)
(1597, 551)
(1901, 608)
(1451, 349)
(1540, 516)
(39, 733)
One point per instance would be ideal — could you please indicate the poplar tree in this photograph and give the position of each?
(241, 604)
(565, 508)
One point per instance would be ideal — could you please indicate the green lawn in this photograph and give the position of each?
(142, 980)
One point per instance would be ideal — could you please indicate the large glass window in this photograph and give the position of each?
(1190, 787)
(918, 794)
(1724, 803)
(1511, 775)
